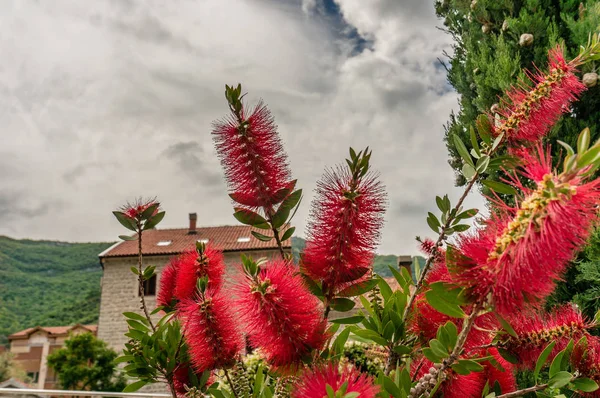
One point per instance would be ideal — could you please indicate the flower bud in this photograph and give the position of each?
(526, 40)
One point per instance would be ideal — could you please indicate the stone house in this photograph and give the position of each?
(119, 284)
(32, 346)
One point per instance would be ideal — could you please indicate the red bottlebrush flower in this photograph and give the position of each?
(505, 377)
(536, 331)
(138, 207)
(522, 251)
(209, 328)
(344, 230)
(166, 293)
(313, 383)
(530, 113)
(455, 385)
(256, 166)
(192, 266)
(585, 358)
(280, 315)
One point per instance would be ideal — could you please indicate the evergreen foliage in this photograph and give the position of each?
(488, 58)
(86, 363)
(46, 283)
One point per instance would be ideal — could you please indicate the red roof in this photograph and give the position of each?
(175, 241)
(53, 330)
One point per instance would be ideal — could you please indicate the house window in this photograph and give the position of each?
(243, 239)
(164, 243)
(150, 286)
(33, 376)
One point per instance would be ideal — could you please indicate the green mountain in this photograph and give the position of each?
(48, 283)
(51, 283)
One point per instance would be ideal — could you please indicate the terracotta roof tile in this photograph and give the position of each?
(224, 238)
(53, 330)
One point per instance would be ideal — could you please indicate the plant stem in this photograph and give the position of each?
(438, 243)
(269, 213)
(235, 394)
(141, 278)
(524, 391)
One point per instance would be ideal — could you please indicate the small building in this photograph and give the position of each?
(120, 286)
(32, 346)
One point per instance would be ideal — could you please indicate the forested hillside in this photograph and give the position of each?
(48, 283)
(56, 283)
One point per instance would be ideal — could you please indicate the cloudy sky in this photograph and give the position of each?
(102, 101)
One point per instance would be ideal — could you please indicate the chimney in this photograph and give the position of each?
(193, 218)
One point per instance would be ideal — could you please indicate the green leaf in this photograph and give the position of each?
(468, 171)
(386, 290)
(461, 227)
(589, 157)
(440, 204)
(137, 317)
(370, 335)
(358, 288)
(466, 366)
(583, 141)
(154, 220)
(556, 365)
(429, 354)
(261, 237)
(340, 341)
(312, 285)
(482, 164)
(342, 304)
(438, 348)
(560, 379)
(249, 217)
(124, 358)
(127, 237)
(467, 214)
(506, 326)
(391, 387)
(349, 320)
(462, 150)
(484, 128)
(507, 355)
(288, 234)
(133, 387)
(568, 147)
(283, 212)
(584, 384)
(443, 306)
(125, 221)
(474, 142)
(433, 222)
(499, 187)
(541, 361)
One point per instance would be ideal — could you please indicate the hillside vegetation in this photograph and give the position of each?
(51, 283)
(48, 283)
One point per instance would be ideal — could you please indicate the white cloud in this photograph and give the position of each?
(97, 100)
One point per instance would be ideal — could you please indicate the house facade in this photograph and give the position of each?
(32, 346)
(120, 286)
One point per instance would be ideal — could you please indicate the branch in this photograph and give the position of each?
(520, 393)
(438, 243)
(235, 394)
(141, 278)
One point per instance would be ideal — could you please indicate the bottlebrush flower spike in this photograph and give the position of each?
(530, 113)
(183, 383)
(209, 328)
(585, 358)
(256, 166)
(345, 224)
(524, 249)
(536, 331)
(166, 296)
(208, 262)
(135, 210)
(280, 315)
(313, 383)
